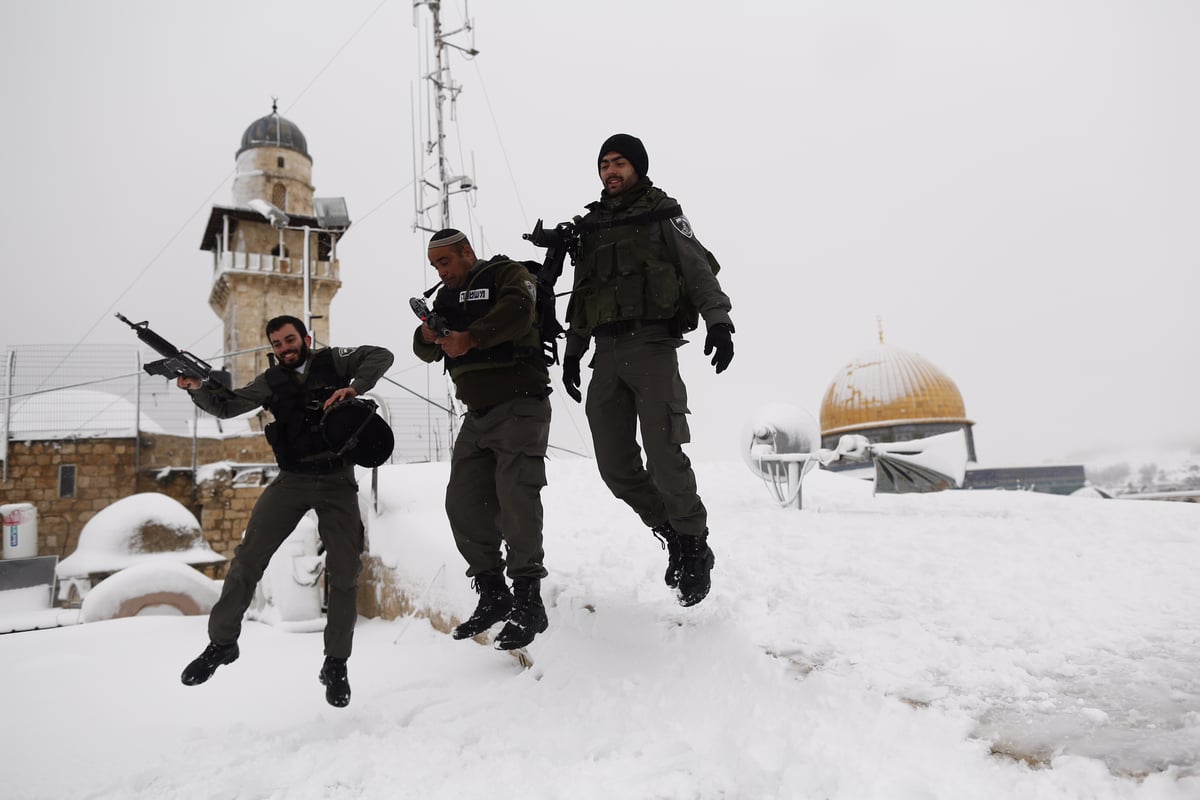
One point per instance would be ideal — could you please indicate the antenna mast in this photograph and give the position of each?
(444, 89)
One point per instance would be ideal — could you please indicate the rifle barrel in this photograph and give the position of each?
(152, 339)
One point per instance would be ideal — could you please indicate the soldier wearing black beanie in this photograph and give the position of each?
(642, 281)
(629, 146)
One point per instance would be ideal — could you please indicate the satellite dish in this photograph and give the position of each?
(778, 429)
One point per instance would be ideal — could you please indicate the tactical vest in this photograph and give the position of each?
(461, 307)
(630, 273)
(295, 435)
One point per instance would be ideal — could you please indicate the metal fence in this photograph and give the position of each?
(86, 391)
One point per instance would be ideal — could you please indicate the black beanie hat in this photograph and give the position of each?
(629, 146)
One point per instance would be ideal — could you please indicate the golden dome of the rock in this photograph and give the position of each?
(886, 386)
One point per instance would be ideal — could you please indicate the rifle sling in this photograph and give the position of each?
(657, 215)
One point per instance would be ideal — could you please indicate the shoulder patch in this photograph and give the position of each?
(530, 290)
(682, 225)
(345, 351)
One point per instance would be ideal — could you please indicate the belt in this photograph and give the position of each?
(320, 466)
(482, 410)
(626, 326)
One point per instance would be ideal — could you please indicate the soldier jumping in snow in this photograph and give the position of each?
(493, 352)
(642, 281)
(296, 391)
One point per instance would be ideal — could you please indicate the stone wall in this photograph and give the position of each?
(104, 472)
(380, 595)
(259, 170)
(225, 499)
(107, 470)
(247, 300)
(163, 451)
(222, 500)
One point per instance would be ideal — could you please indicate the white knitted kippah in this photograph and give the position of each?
(446, 237)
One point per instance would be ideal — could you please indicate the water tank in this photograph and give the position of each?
(20, 530)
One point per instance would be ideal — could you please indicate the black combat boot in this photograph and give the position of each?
(495, 601)
(337, 682)
(528, 617)
(697, 562)
(670, 542)
(205, 664)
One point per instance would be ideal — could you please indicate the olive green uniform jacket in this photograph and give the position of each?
(667, 272)
(498, 466)
(511, 319)
(364, 366)
(637, 289)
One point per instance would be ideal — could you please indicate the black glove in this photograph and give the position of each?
(570, 377)
(720, 338)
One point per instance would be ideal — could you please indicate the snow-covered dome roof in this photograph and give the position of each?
(885, 385)
(274, 131)
(143, 526)
(83, 413)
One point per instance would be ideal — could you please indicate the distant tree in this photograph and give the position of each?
(1112, 475)
(1148, 473)
(1191, 479)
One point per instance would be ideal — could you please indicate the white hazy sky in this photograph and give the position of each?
(1010, 186)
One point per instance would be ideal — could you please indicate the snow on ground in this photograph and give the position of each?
(863, 647)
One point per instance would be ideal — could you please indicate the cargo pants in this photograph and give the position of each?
(494, 495)
(280, 507)
(635, 380)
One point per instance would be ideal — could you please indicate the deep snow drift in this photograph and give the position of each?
(953, 645)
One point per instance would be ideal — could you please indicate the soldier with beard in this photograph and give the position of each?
(642, 280)
(296, 390)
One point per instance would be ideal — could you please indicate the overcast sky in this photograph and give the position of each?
(1012, 187)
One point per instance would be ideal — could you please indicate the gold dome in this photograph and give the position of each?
(886, 385)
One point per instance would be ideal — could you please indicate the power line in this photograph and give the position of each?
(107, 311)
(207, 202)
(334, 57)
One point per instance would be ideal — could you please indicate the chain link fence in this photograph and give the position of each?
(88, 391)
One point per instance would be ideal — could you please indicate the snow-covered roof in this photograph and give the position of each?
(72, 413)
(95, 414)
(134, 529)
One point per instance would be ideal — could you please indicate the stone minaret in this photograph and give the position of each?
(258, 269)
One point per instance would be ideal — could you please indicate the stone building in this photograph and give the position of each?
(70, 471)
(888, 394)
(258, 266)
(68, 479)
(891, 395)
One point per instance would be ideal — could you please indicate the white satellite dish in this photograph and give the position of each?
(779, 442)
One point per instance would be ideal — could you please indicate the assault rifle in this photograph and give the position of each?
(176, 363)
(560, 241)
(421, 309)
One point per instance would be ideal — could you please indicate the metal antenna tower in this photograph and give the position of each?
(443, 89)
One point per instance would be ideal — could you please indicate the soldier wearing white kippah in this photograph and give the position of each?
(493, 351)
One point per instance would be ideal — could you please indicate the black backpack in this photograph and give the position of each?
(550, 330)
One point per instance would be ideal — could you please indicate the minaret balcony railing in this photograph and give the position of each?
(273, 265)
